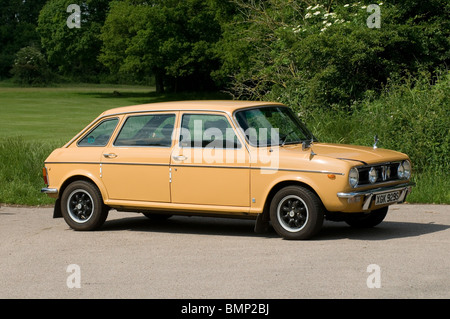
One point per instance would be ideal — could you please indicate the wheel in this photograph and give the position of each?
(157, 216)
(367, 220)
(82, 206)
(296, 213)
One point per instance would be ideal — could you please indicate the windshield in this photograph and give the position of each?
(272, 125)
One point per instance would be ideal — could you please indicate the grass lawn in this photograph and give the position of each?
(57, 114)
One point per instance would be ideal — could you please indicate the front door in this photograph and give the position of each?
(209, 163)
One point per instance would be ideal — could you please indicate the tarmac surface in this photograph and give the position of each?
(406, 256)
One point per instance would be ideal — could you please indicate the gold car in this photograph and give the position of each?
(240, 159)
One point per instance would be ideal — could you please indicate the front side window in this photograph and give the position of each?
(147, 130)
(207, 131)
(100, 135)
(273, 125)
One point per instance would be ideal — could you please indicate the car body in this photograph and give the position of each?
(244, 159)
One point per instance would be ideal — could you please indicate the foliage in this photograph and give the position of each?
(30, 67)
(21, 171)
(411, 117)
(322, 53)
(73, 51)
(18, 21)
(169, 39)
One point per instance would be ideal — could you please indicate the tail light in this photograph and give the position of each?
(45, 175)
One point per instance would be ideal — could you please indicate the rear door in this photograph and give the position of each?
(135, 167)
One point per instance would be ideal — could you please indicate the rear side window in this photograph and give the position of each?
(100, 135)
(147, 130)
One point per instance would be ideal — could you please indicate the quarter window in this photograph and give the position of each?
(100, 135)
(147, 130)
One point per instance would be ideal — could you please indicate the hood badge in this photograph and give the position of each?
(375, 141)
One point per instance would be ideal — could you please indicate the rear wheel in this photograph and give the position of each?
(82, 206)
(367, 220)
(296, 213)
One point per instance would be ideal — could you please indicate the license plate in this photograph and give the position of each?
(387, 198)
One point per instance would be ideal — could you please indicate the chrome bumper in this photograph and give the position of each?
(368, 195)
(49, 190)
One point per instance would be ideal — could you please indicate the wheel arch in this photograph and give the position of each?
(276, 188)
(57, 209)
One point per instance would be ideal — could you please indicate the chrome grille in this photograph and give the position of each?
(386, 172)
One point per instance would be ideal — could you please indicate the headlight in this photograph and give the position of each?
(373, 175)
(400, 171)
(406, 169)
(353, 177)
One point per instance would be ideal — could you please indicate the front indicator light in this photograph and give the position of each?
(353, 200)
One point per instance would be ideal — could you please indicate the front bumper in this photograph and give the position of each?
(369, 195)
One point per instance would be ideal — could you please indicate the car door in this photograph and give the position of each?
(135, 167)
(209, 162)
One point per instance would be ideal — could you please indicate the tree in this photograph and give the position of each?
(18, 20)
(73, 51)
(171, 40)
(30, 67)
(322, 53)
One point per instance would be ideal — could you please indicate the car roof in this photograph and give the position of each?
(202, 105)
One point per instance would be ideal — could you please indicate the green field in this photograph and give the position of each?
(34, 121)
(57, 114)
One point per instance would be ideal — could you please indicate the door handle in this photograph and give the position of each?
(179, 157)
(111, 155)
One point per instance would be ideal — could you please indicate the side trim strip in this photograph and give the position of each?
(91, 163)
(298, 170)
(204, 166)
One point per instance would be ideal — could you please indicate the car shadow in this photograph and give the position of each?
(188, 225)
(238, 227)
(385, 231)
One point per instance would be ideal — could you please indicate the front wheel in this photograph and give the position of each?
(82, 206)
(296, 213)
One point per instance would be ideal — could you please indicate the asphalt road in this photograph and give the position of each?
(407, 256)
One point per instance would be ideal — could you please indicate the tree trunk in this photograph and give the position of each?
(159, 81)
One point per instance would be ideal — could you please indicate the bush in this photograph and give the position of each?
(411, 117)
(322, 53)
(21, 171)
(30, 67)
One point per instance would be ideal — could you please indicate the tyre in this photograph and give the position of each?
(296, 213)
(82, 206)
(367, 220)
